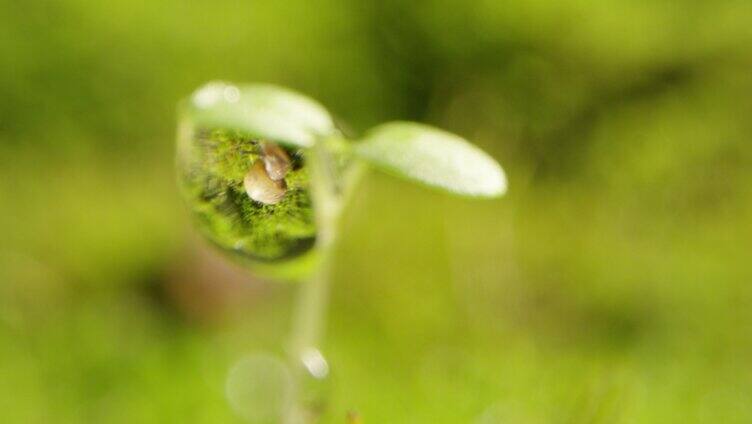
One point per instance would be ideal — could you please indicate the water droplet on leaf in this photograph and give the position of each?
(249, 195)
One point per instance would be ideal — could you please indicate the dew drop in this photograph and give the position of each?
(251, 197)
(315, 364)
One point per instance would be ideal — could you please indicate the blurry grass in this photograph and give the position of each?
(611, 285)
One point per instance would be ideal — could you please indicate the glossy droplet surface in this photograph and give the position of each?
(249, 195)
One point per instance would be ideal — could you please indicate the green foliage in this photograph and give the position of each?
(611, 286)
(219, 140)
(432, 157)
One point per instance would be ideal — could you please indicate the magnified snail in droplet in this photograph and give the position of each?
(265, 181)
(249, 195)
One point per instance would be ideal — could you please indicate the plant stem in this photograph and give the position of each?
(308, 325)
(310, 312)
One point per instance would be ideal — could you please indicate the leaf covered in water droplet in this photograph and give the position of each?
(433, 157)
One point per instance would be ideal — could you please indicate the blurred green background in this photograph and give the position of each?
(611, 285)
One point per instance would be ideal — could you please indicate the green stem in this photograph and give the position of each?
(308, 325)
(310, 312)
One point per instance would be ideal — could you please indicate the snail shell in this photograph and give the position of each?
(276, 161)
(260, 187)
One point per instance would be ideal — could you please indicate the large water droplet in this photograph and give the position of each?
(244, 198)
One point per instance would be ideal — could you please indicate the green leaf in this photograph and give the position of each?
(433, 157)
(260, 110)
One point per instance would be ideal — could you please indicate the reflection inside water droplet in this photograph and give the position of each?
(249, 196)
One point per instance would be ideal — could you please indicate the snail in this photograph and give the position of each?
(265, 181)
(276, 160)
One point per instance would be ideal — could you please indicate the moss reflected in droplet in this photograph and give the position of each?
(212, 165)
